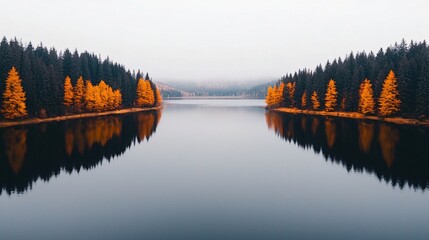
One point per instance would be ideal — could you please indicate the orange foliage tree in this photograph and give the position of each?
(13, 105)
(389, 102)
(158, 96)
(68, 94)
(269, 99)
(78, 95)
(145, 95)
(304, 100)
(331, 96)
(366, 98)
(315, 101)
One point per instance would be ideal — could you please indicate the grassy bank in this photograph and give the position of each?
(355, 115)
(74, 116)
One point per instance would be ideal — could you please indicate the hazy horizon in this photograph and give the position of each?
(216, 41)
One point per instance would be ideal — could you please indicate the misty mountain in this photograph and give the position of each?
(250, 89)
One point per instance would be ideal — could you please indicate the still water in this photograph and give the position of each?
(214, 169)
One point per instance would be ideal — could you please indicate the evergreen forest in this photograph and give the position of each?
(392, 82)
(42, 82)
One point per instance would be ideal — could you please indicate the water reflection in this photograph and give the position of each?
(29, 153)
(395, 154)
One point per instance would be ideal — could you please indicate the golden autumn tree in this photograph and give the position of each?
(150, 93)
(78, 95)
(145, 94)
(269, 99)
(103, 93)
(158, 96)
(331, 96)
(117, 99)
(366, 98)
(280, 93)
(315, 101)
(291, 91)
(13, 105)
(304, 100)
(89, 97)
(389, 102)
(276, 97)
(68, 94)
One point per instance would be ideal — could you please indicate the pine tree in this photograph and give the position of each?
(78, 94)
(13, 105)
(291, 92)
(68, 94)
(366, 98)
(389, 102)
(304, 100)
(331, 96)
(315, 101)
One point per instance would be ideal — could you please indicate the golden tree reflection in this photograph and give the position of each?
(330, 131)
(366, 134)
(16, 147)
(274, 122)
(388, 138)
(145, 122)
(91, 131)
(314, 126)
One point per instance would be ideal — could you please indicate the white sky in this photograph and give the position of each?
(216, 40)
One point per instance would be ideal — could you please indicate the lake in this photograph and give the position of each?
(214, 169)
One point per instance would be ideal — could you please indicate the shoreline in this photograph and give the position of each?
(355, 115)
(30, 121)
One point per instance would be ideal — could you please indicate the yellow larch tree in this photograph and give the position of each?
(158, 96)
(78, 94)
(140, 92)
(366, 98)
(68, 94)
(13, 105)
(331, 96)
(315, 101)
(275, 95)
(89, 98)
(117, 98)
(280, 93)
(103, 91)
(269, 99)
(389, 102)
(304, 100)
(150, 95)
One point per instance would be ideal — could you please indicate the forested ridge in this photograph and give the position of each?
(42, 82)
(391, 82)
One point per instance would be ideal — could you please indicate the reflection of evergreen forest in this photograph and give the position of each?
(43, 151)
(395, 154)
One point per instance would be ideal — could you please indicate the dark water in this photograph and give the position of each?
(214, 169)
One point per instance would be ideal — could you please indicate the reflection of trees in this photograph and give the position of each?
(366, 133)
(388, 138)
(36, 152)
(87, 132)
(15, 141)
(405, 146)
(330, 131)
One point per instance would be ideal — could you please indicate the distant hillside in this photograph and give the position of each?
(258, 91)
(251, 89)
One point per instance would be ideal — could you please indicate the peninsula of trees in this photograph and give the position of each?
(40, 83)
(391, 83)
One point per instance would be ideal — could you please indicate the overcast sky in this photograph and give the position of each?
(216, 40)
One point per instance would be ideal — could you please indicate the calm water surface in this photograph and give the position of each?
(214, 169)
